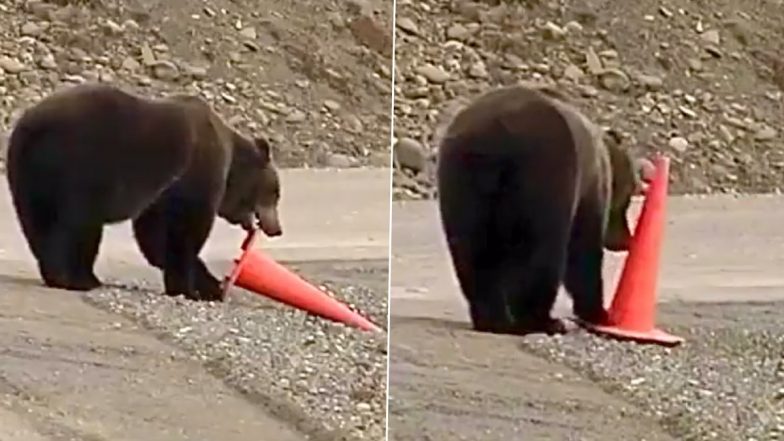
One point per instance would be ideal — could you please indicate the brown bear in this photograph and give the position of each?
(93, 154)
(530, 192)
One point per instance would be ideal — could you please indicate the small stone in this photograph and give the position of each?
(609, 54)
(736, 122)
(766, 133)
(249, 33)
(541, 68)
(48, 62)
(130, 25)
(553, 32)
(112, 28)
(194, 71)
(593, 61)
(651, 82)
(130, 64)
(228, 98)
(433, 74)
(148, 57)
(714, 51)
(31, 29)
(11, 65)
(711, 37)
(353, 124)
(695, 64)
(339, 160)
(573, 72)
(687, 112)
(587, 91)
(296, 116)
(478, 70)
(78, 54)
(458, 32)
(332, 105)
(573, 27)
(106, 77)
(726, 134)
(407, 25)
(410, 154)
(165, 70)
(364, 407)
(678, 143)
(614, 80)
(77, 79)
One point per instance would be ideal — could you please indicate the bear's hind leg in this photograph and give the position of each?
(36, 216)
(537, 242)
(465, 219)
(583, 279)
(85, 252)
(478, 279)
(70, 252)
(532, 280)
(53, 261)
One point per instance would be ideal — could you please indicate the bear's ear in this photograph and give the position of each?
(613, 136)
(263, 146)
(644, 170)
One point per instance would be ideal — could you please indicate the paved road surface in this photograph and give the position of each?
(71, 372)
(447, 383)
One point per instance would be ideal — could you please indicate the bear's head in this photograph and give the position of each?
(252, 191)
(630, 177)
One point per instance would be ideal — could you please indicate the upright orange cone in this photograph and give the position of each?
(632, 314)
(262, 275)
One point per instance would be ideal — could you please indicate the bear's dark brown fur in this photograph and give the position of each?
(93, 155)
(530, 192)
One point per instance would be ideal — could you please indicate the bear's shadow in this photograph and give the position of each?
(11, 281)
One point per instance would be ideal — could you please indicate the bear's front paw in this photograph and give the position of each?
(211, 295)
(85, 283)
(599, 316)
(541, 325)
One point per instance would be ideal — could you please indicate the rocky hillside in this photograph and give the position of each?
(700, 80)
(314, 76)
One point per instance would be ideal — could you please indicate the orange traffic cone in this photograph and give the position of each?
(259, 274)
(632, 314)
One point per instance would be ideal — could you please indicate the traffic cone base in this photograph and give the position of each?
(261, 275)
(652, 336)
(632, 313)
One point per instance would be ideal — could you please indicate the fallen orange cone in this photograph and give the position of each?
(261, 275)
(632, 314)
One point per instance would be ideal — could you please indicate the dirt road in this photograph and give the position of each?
(449, 383)
(70, 371)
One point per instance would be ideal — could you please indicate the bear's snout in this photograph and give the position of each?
(269, 222)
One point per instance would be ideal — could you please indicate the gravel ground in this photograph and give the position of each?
(326, 378)
(725, 383)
